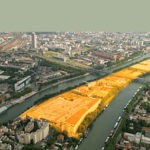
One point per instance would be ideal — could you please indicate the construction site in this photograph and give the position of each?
(66, 111)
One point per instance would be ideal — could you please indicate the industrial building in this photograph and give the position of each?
(20, 85)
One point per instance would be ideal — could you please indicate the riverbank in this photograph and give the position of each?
(16, 101)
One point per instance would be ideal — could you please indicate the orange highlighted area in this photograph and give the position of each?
(67, 112)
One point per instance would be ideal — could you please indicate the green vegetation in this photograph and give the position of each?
(120, 62)
(8, 142)
(19, 94)
(36, 127)
(8, 72)
(99, 67)
(9, 69)
(146, 106)
(31, 147)
(56, 67)
(111, 143)
(137, 127)
(51, 141)
(89, 119)
(57, 79)
(73, 72)
(53, 137)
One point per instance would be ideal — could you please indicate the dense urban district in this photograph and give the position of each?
(31, 63)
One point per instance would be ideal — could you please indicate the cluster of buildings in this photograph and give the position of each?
(46, 74)
(90, 49)
(3, 86)
(137, 132)
(103, 40)
(21, 132)
(20, 85)
(26, 136)
(13, 76)
(28, 131)
(19, 60)
(10, 41)
(20, 70)
(3, 92)
(85, 49)
(3, 77)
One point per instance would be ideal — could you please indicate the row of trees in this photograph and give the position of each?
(146, 106)
(89, 119)
(56, 67)
(19, 94)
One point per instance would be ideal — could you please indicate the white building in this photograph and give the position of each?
(40, 134)
(34, 40)
(4, 146)
(22, 83)
(137, 138)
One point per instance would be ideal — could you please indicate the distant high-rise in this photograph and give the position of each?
(34, 40)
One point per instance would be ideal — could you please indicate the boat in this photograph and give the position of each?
(76, 147)
(107, 139)
(115, 125)
(119, 118)
(107, 105)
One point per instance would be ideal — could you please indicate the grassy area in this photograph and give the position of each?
(51, 54)
(55, 66)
